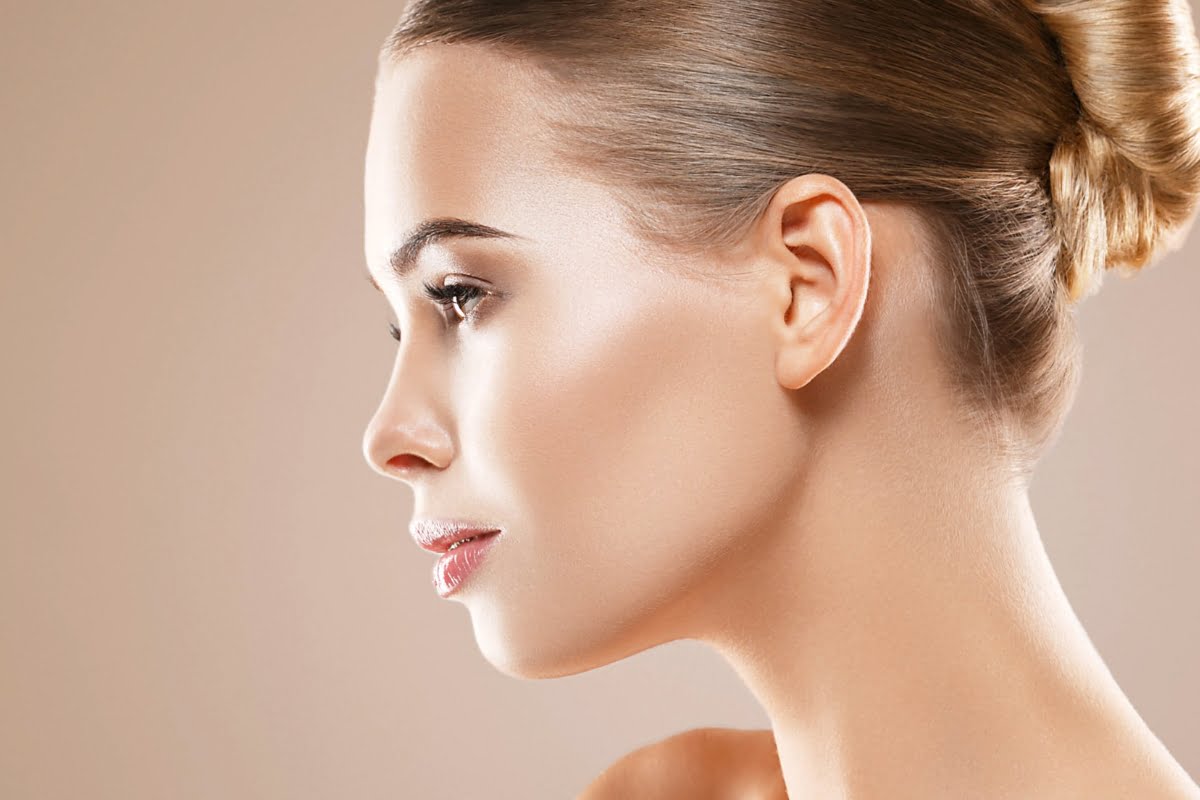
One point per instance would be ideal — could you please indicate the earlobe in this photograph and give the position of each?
(819, 240)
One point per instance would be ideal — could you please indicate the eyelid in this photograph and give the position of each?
(448, 296)
(445, 294)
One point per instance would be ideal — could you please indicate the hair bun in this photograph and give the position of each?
(1125, 176)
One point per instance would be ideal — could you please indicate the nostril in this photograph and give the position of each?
(402, 453)
(405, 463)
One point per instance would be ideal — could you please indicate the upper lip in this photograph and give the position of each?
(436, 535)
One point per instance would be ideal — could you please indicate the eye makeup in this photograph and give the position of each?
(448, 297)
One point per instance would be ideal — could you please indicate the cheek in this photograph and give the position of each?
(630, 449)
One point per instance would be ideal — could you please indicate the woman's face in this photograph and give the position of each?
(622, 425)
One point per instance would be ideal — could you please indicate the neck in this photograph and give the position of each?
(908, 637)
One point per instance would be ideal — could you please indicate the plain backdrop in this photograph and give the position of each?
(204, 590)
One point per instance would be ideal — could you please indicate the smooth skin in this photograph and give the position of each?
(700, 764)
(770, 461)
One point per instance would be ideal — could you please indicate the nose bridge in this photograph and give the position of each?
(407, 420)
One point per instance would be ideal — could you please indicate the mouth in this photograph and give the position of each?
(460, 560)
(445, 535)
(463, 541)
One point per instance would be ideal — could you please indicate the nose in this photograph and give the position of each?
(404, 439)
(399, 451)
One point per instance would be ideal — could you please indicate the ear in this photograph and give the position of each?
(815, 239)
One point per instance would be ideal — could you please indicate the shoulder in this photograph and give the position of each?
(698, 763)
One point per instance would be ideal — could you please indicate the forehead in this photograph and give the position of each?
(455, 131)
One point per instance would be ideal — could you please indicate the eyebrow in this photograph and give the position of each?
(403, 259)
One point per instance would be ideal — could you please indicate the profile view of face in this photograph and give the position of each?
(621, 424)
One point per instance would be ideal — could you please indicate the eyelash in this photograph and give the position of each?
(447, 297)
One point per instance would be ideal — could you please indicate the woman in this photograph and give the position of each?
(747, 323)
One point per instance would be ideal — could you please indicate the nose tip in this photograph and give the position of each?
(396, 454)
(372, 451)
(383, 454)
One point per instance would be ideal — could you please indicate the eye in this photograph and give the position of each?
(449, 297)
(453, 295)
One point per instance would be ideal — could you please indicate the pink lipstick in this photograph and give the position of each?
(456, 565)
(462, 545)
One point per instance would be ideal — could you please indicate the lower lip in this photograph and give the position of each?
(455, 566)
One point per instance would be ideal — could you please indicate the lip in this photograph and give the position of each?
(436, 535)
(455, 566)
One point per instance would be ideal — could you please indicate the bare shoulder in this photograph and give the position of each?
(698, 764)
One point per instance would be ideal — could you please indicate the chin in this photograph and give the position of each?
(551, 648)
(531, 657)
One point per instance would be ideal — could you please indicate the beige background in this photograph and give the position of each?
(205, 592)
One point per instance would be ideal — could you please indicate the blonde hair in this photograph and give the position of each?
(1125, 176)
(1041, 141)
